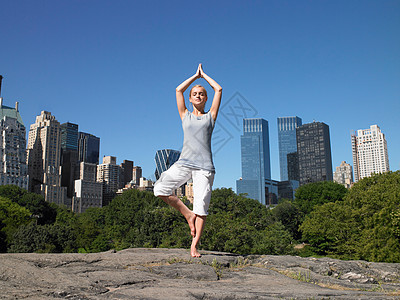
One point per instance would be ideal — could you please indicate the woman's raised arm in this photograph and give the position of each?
(217, 93)
(180, 99)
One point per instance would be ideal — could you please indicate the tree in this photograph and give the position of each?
(49, 238)
(289, 215)
(317, 193)
(364, 225)
(40, 209)
(12, 216)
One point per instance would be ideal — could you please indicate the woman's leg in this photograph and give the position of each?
(170, 180)
(202, 186)
(200, 221)
(184, 210)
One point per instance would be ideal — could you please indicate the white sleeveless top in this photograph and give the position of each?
(196, 151)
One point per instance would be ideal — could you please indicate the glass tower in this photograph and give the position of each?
(256, 167)
(287, 142)
(69, 136)
(88, 148)
(164, 159)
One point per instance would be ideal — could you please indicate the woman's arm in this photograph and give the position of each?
(217, 93)
(180, 100)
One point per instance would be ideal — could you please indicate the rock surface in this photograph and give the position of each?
(172, 274)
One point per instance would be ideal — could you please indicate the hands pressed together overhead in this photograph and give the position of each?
(200, 71)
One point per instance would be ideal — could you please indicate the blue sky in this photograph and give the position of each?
(112, 67)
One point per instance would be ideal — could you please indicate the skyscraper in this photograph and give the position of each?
(287, 142)
(69, 157)
(69, 136)
(314, 152)
(164, 159)
(370, 154)
(44, 151)
(293, 166)
(88, 148)
(344, 174)
(12, 147)
(108, 173)
(127, 172)
(256, 169)
(136, 175)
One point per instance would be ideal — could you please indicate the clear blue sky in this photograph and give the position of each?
(112, 67)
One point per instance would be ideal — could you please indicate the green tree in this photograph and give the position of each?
(49, 238)
(327, 229)
(289, 215)
(40, 209)
(362, 226)
(317, 193)
(12, 216)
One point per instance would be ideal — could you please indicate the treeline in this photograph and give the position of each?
(362, 223)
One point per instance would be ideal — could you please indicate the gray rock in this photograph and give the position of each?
(172, 274)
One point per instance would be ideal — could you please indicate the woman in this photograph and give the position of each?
(195, 160)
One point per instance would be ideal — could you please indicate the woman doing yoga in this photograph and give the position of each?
(195, 160)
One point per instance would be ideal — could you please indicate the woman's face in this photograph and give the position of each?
(198, 96)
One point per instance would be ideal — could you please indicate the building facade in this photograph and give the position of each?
(88, 148)
(164, 159)
(293, 166)
(136, 175)
(255, 158)
(108, 173)
(87, 192)
(127, 172)
(314, 153)
(44, 152)
(287, 142)
(344, 175)
(69, 157)
(13, 165)
(69, 136)
(370, 154)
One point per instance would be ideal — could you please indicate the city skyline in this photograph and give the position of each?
(325, 61)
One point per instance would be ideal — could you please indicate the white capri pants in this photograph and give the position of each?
(177, 175)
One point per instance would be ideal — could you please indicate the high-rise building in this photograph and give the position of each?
(44, 151)
(108, 174)
(69, 157)
(88, 148)
(344, 174)
(293, 166)
(370, 154)
(314, 152)
(164, 159)
(287, 142)
(69, 136)
(12, 147)
(127, 172)
(256, 169)
(87, 192)
(136, 175)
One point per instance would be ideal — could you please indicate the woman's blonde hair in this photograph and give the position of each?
(198, 85)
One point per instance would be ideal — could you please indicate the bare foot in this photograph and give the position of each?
(191, 221)
(194, 252)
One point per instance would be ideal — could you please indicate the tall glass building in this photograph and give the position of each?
(164, 159)
(256, 168)
(88, 148)
(69, 136)
(287, 142)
